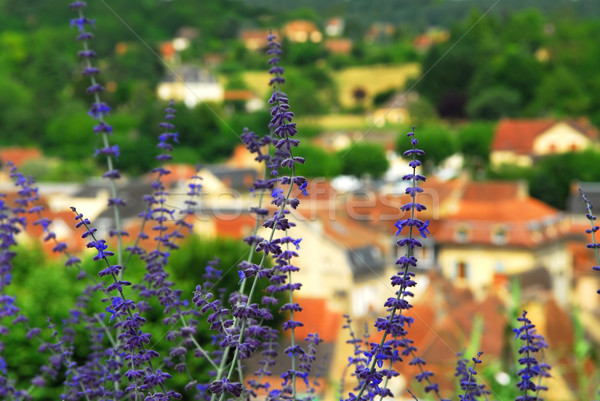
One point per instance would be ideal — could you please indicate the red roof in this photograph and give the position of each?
(487, 207)
(317, 318)
(492, 191)
(19, 155)
(234, 226)
(527, 222)
(518, 135)
(340, 45)
(238, 94)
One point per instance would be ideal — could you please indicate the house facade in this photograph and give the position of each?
(520, 142)
(190, 85)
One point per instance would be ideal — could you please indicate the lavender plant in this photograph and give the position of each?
(123, 362)
(467, 379)
(594, 246)
(531, 369)
(395, 344)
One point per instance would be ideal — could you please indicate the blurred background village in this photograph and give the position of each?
(506, 103)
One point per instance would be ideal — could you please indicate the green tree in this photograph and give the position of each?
(552, 175)
(17, 117)
(303, 54)
(518, 70)
(562, 91)
(203, 132)
(319, 163)
(474, 142)
(70, 132)
(437, 141)
(494, 103)
(306, 96)
(363, 159)
(421, 111)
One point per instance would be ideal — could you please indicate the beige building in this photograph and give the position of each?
(520, 142)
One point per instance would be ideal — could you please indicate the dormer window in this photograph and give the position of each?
(500, 235)
(536, 232)
(462, 233)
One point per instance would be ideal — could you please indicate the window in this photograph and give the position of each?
(500, 235)
(462, 233)
(536, 232)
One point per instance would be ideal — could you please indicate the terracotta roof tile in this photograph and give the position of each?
(18, 155)
(491, 190)
(518, 135)
(317, 317)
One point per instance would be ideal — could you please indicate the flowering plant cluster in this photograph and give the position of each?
(121, 362)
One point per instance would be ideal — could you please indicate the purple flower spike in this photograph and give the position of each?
(531, 370)
(388, 351)
(595, 245)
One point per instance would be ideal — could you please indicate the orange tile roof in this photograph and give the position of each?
(255, 34)
(35, 232)
(238, 94)
(300, 26)
(338, 45)
(317, 317)
(236, 227)
(491, 190)
(504, 210)
(19, 155)
(518, 135)
(167, 49)
(349, 233)
(486, 207)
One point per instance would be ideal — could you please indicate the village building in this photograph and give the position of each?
(497, 231)
(521, 142)
(191, 85)
(302, 31)
(256, 39)
(338, 45)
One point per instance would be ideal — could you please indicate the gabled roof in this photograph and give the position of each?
(492, 191)
(496, 213)
(519, 135)
(300, 26)
(317, 317)
(18, 155)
